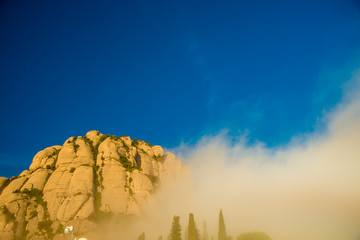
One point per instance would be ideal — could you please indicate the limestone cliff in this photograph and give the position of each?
(76, 184)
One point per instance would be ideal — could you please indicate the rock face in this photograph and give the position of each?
(78, 183)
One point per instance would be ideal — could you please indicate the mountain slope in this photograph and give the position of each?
(77, 184)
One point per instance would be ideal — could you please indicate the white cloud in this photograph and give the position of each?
(308, 189)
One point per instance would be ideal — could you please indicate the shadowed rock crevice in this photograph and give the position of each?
(138, 160)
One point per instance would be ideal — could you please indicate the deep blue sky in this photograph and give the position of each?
(169, 71)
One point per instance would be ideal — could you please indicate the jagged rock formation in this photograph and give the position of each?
(77, 183)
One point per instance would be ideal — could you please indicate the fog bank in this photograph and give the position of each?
(308, 189)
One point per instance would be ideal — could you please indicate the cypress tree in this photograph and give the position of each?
(193, 233)
(253, 236)
(175, 232)
(197, 234)
(222, 229)
(142, 236)
(205, 233)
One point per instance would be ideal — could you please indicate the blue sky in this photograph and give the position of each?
(169, 71)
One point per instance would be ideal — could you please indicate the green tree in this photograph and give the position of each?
(142, 236)
(205, 233)
(222, 229)
(192, 233)
(175, 232)
(253, 236)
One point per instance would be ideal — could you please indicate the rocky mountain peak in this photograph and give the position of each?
(76, 183)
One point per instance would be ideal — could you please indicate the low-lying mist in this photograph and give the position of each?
(308, 189)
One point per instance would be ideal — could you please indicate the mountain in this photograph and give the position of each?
(81, 182)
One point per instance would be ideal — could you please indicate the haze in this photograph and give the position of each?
(260, 99)
(307, 189)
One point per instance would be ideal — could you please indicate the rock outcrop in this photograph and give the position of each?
(80, 182)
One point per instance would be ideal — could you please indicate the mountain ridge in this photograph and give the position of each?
(80, 182)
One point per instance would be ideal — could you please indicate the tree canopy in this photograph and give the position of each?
(222, 230)
(193, 233)
(175, 232)
(253, 236)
